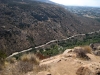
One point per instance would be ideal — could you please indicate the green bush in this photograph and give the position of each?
(2, 59)
(2, 56)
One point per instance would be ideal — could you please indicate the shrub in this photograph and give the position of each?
(1, 66)
(24, 67)
(81, 53)
(2, 56)
(11, 60)
(88, 49)
(26, 63)
(10, 69)
(30, 58)
(2, 59)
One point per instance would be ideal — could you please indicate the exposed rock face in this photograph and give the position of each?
(26, 23)
(90, 69)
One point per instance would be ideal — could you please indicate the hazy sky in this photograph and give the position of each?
(79, 2)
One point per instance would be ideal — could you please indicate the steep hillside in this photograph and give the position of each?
(25, 24)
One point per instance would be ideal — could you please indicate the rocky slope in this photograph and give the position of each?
(25, 24)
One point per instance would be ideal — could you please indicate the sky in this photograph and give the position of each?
(94, 3)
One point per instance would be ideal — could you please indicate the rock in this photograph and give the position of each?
(63, 58)
(29, 73)
(44, 73)
(78, 48)
(70, 55)
(97, 52)
(90, 69)
(98, 47)
(50, 62)
(67, 51)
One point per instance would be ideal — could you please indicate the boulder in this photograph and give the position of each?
(97, 52)
(98, 47)
(90, 69)
(67, 51)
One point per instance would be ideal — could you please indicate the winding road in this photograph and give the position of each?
(52, 41)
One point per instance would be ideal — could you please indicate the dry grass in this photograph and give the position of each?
(82, 51)
(2, 64)
(81, 54)
(26, 63)
(10, 69)
(11, 60)
(24, 67)
(30, 58)
(87, 49)
(37, 69)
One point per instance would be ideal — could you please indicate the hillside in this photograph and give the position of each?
(90, 12)
(25, 24)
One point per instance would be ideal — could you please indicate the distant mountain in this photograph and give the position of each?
(27, 23)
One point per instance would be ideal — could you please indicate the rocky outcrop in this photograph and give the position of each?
(97, 52)
(89, 69)
(67, 51)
